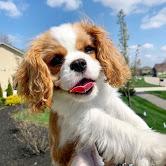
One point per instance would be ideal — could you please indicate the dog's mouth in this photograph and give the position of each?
(85, 86)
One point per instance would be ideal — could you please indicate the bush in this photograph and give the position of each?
(9, 90)
(124, 91)
(13, 100)
(2, 101)
(34, 137)
(1, 92)
(128, 89)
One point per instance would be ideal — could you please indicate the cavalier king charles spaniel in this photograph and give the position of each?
(76, 70)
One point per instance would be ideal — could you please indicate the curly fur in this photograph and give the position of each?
(33, 78)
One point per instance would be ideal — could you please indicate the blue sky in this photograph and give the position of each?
(22, 20)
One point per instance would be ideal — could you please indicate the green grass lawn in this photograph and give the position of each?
(162, 76)
(161, 94)
(155, 115)
(141, 83)
(37, 118)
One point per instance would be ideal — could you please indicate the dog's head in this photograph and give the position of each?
(69, 59)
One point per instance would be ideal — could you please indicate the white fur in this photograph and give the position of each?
(102, 117)
(65, 35)
(55, 163)
(118, 131)
(87, 157)
(68, 77)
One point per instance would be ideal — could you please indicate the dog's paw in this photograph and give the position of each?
(152, 152)
(155, 151)
(143, 162)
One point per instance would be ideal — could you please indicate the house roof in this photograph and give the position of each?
(146, 68)
(12, 47)
(160, 67)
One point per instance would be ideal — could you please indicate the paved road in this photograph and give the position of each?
(153, 99)
(146, 89)
(155, 81)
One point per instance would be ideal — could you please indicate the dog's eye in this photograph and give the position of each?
(56, 60)
(89, 49)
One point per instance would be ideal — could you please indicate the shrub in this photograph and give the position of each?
(128, 89)
(1, 92)
(13, 100)
(9, 90)
(34, 137)
(2, 101)
(124, 91)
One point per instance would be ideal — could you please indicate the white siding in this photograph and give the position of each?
(9, 61)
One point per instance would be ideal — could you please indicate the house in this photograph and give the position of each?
(159, 69)
(146, 70)
(10, 58)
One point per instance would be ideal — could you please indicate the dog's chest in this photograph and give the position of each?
(67, 130)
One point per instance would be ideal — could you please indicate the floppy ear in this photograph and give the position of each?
(33, 79)
(113, 63)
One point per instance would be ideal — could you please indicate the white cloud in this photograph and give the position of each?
(163, 48)
(155, 21)
(131, 6)
(143, 46)
(10, 8)
(153, 2)
(68, 4)
(148, 55)
(133, 47)
(148, 46)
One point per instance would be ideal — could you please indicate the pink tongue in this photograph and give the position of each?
(82, 88)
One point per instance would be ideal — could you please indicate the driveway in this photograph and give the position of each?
(155, 81)
(153, 99)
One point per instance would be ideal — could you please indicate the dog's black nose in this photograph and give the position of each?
(78, 65)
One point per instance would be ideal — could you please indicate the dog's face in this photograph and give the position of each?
(68, 59)
(73, 62)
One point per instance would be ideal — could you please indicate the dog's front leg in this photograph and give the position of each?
(87, 157)
(121, 141)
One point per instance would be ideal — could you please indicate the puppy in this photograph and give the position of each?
(75, 69)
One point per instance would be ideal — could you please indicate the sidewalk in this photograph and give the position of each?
(146, 89)
(153, 99)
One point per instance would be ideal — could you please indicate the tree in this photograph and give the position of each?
(1, 92)
(5, 39)
(127, 89)
(123, 35)
(137, 61)
(9, 89)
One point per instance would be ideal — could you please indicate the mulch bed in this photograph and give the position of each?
(12, 152)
